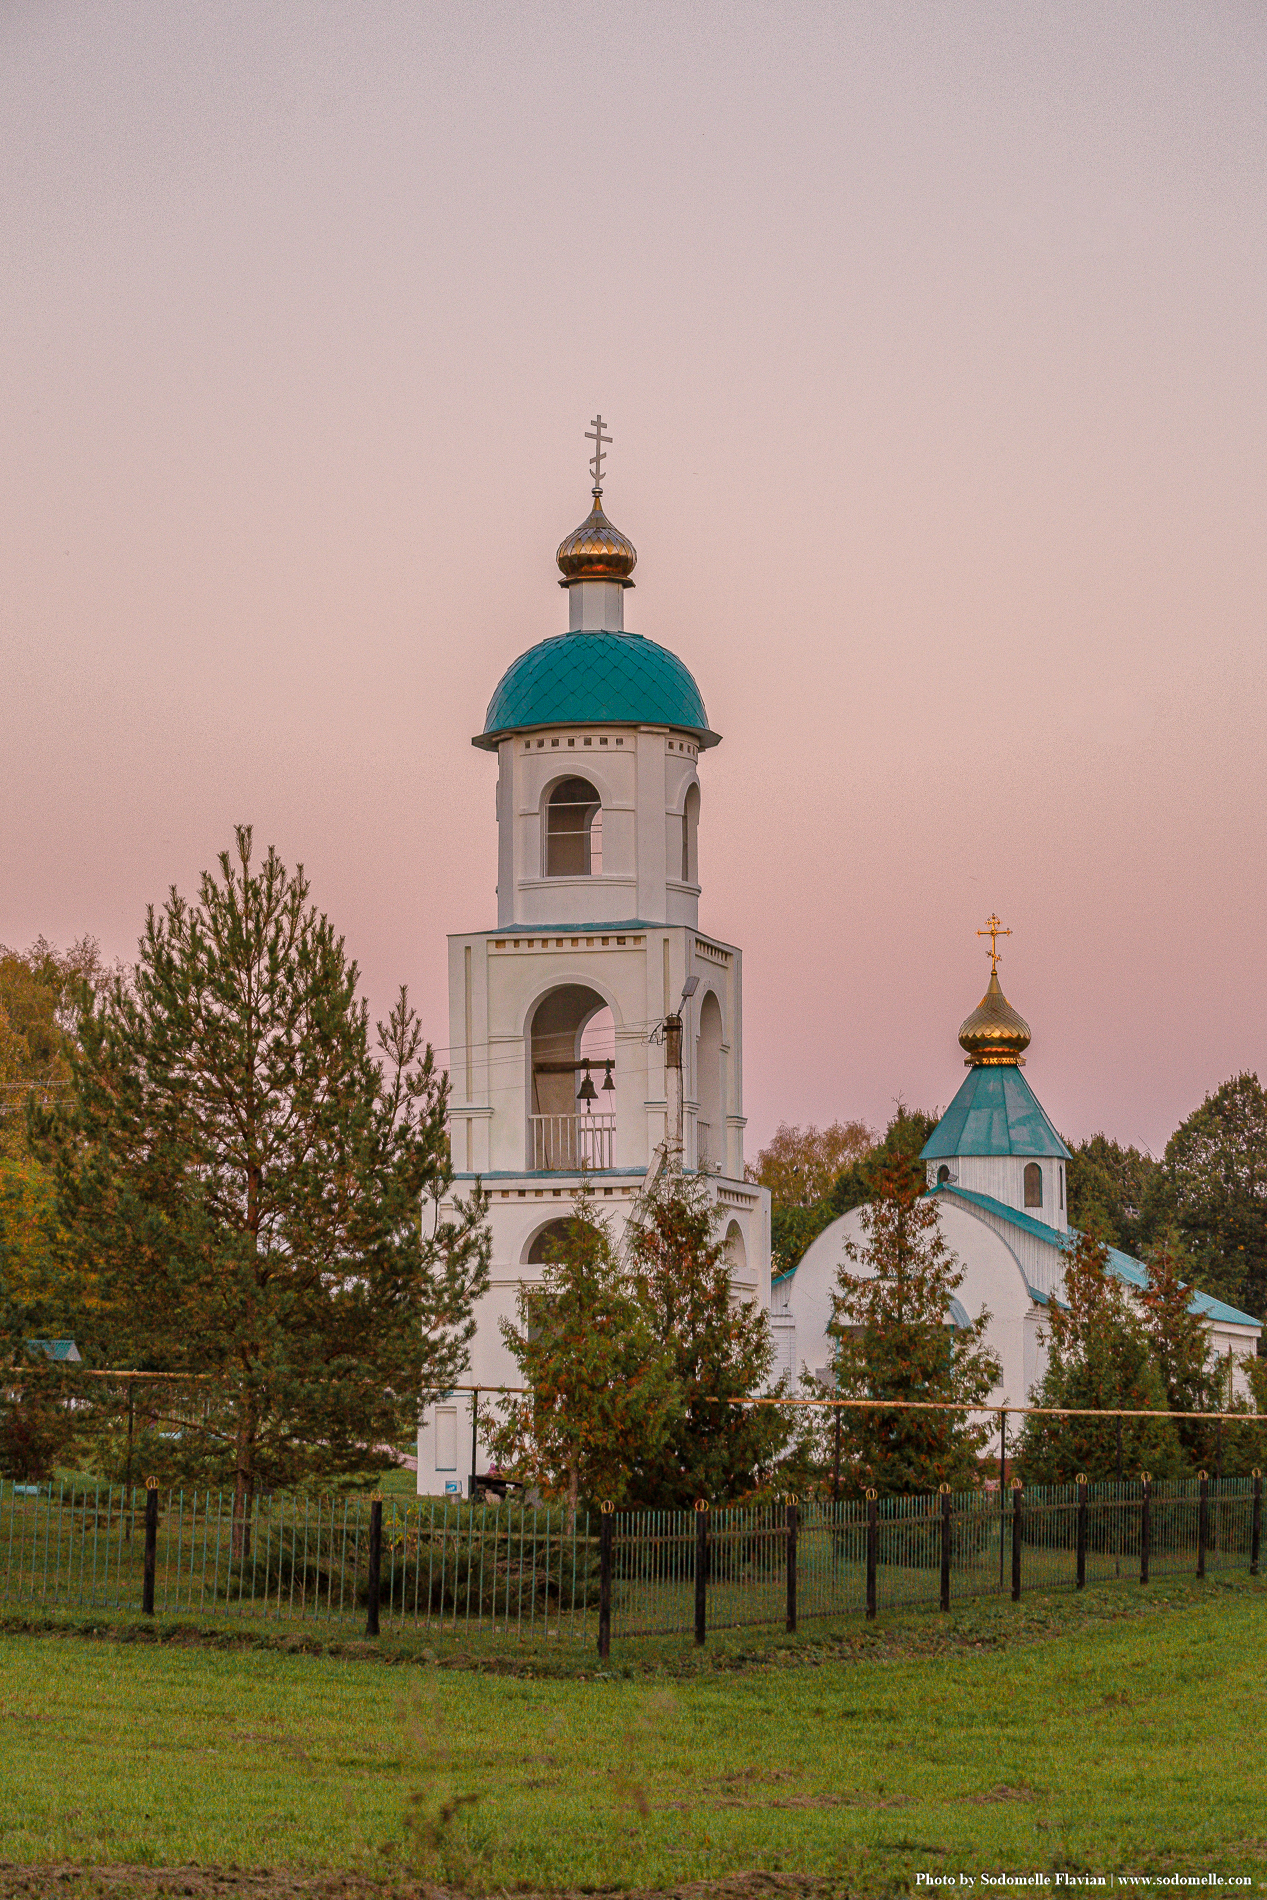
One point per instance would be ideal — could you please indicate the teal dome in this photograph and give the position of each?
(996, 1112)
(596, 679)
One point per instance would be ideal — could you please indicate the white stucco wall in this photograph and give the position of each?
(992, 1279)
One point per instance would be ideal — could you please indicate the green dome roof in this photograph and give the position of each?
(595, 679)
(996, 1112)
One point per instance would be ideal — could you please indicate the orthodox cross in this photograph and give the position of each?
(596, 436)
(993, 930)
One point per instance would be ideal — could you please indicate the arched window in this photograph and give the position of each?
(943, 1175)
(690, 836)
(1033, 1184)
(574, 830)
(711, 1125)
(548, 1244)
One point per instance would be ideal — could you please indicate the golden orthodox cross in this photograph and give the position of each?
(993, 930)
(596, 436)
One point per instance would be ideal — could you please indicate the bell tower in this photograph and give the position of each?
(561, 1071)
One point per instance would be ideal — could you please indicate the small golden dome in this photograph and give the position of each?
(994, 1033)
(596, 551)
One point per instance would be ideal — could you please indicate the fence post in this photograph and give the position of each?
(791, 1562)
(1203, 1522)
(1082, 1530)
(701, 1571)
(605, 1580)
(151, 1546)
(376, 1564)
(1002, 1484)
(1256, 1522)
(943, 1491)
(873, 1545)
(1018, 1500)
(1145, 1526)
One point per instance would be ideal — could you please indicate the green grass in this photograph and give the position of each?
(1117, 1731)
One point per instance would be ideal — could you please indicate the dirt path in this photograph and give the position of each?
(73, 1881)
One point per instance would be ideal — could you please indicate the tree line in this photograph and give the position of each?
(213, 1168)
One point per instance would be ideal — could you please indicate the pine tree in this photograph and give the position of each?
(721, 1353)
(895, 1340)
(1180, 1345)
(1100, 1358)
(247, 1180)
(601, 1393)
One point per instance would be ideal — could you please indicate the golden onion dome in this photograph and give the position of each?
(994, 1033)
(596, 551)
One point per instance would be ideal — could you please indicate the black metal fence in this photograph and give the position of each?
(511, 1571)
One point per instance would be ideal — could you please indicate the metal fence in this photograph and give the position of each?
(511, 1571)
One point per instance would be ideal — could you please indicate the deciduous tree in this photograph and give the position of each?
(1108, 1190)
(1212, 1184)
(800, 1164)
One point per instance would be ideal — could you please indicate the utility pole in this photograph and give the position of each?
(672, 1065)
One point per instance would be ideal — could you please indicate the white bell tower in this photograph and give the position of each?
(556, 1016)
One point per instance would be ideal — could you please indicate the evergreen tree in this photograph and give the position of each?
(1100, 1358)
(720, 1351)
(1180, 1345)
(601, 1395)
(246, 1180)
(895, 1340)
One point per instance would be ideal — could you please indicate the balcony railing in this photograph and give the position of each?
(566, 1143)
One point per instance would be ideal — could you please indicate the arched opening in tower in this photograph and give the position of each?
(571, 1113)
(574, 830)
(710, 1127)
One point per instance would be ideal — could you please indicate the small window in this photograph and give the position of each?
(943, 1175)
(446, 1430)
(1060, 1169)
(1033, 1184)
(574, 830)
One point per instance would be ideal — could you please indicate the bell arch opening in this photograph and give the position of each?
(572, 1081)
(574, 830)
(690, 836)
(546, 1244)
(710, 1128)
(736, 1252)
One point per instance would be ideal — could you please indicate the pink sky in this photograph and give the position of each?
(932, 340)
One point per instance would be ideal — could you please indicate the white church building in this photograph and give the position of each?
(997, 1168)
(557, 1013)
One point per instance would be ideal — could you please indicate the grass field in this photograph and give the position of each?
(1113, 1733)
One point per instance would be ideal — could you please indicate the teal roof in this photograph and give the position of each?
(595, 679)
(996, 1112)
(1123, 1265)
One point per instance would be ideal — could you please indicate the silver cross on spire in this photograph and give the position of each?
(596, 436)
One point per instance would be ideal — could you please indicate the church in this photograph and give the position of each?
(595, 1024)
(997, 1168)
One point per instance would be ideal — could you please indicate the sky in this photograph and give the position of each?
(932, 342)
